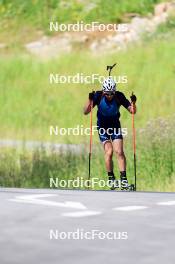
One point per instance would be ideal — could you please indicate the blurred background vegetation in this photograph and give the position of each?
(29, 104)
(24, 20)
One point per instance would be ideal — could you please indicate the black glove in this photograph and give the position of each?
(91, 95)
(133, 98)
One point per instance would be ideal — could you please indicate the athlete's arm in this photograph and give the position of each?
(130, 106)
(91, 101)
(87, 107)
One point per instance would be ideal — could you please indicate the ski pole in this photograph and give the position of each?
(134, 141)
(90, 142)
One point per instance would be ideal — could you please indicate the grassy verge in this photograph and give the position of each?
(155, 162)
(38, 12)
(25, 21)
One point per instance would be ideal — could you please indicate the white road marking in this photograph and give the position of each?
(35, 196)
(81, 214)
(36, 199)
(33, 199)
(167, 203)
(130, 208)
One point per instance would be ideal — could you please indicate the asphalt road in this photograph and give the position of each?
(42, 226)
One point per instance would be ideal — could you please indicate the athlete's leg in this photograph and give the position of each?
(108, 149)
(118, 149)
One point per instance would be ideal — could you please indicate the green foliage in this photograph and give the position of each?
(29, 104)
(115, 10)
(155, 162)
(38, 13)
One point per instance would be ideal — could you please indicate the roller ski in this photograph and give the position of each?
(125, 186)
(121, 184)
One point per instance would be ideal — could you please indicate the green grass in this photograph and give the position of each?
(29, 104)
(155, 162)
(23, 19)
(38, 12)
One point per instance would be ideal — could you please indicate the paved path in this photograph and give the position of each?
(57, 147)
(32, 221)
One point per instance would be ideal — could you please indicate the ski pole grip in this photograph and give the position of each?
(133, 98)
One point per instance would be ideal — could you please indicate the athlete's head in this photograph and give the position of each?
(109, 87)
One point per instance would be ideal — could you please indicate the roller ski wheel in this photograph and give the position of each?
(130, 187)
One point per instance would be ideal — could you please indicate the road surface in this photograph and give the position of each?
(43, 226)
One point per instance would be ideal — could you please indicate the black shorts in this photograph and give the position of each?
(109, 134)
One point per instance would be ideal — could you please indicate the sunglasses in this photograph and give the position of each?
(109, 94)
